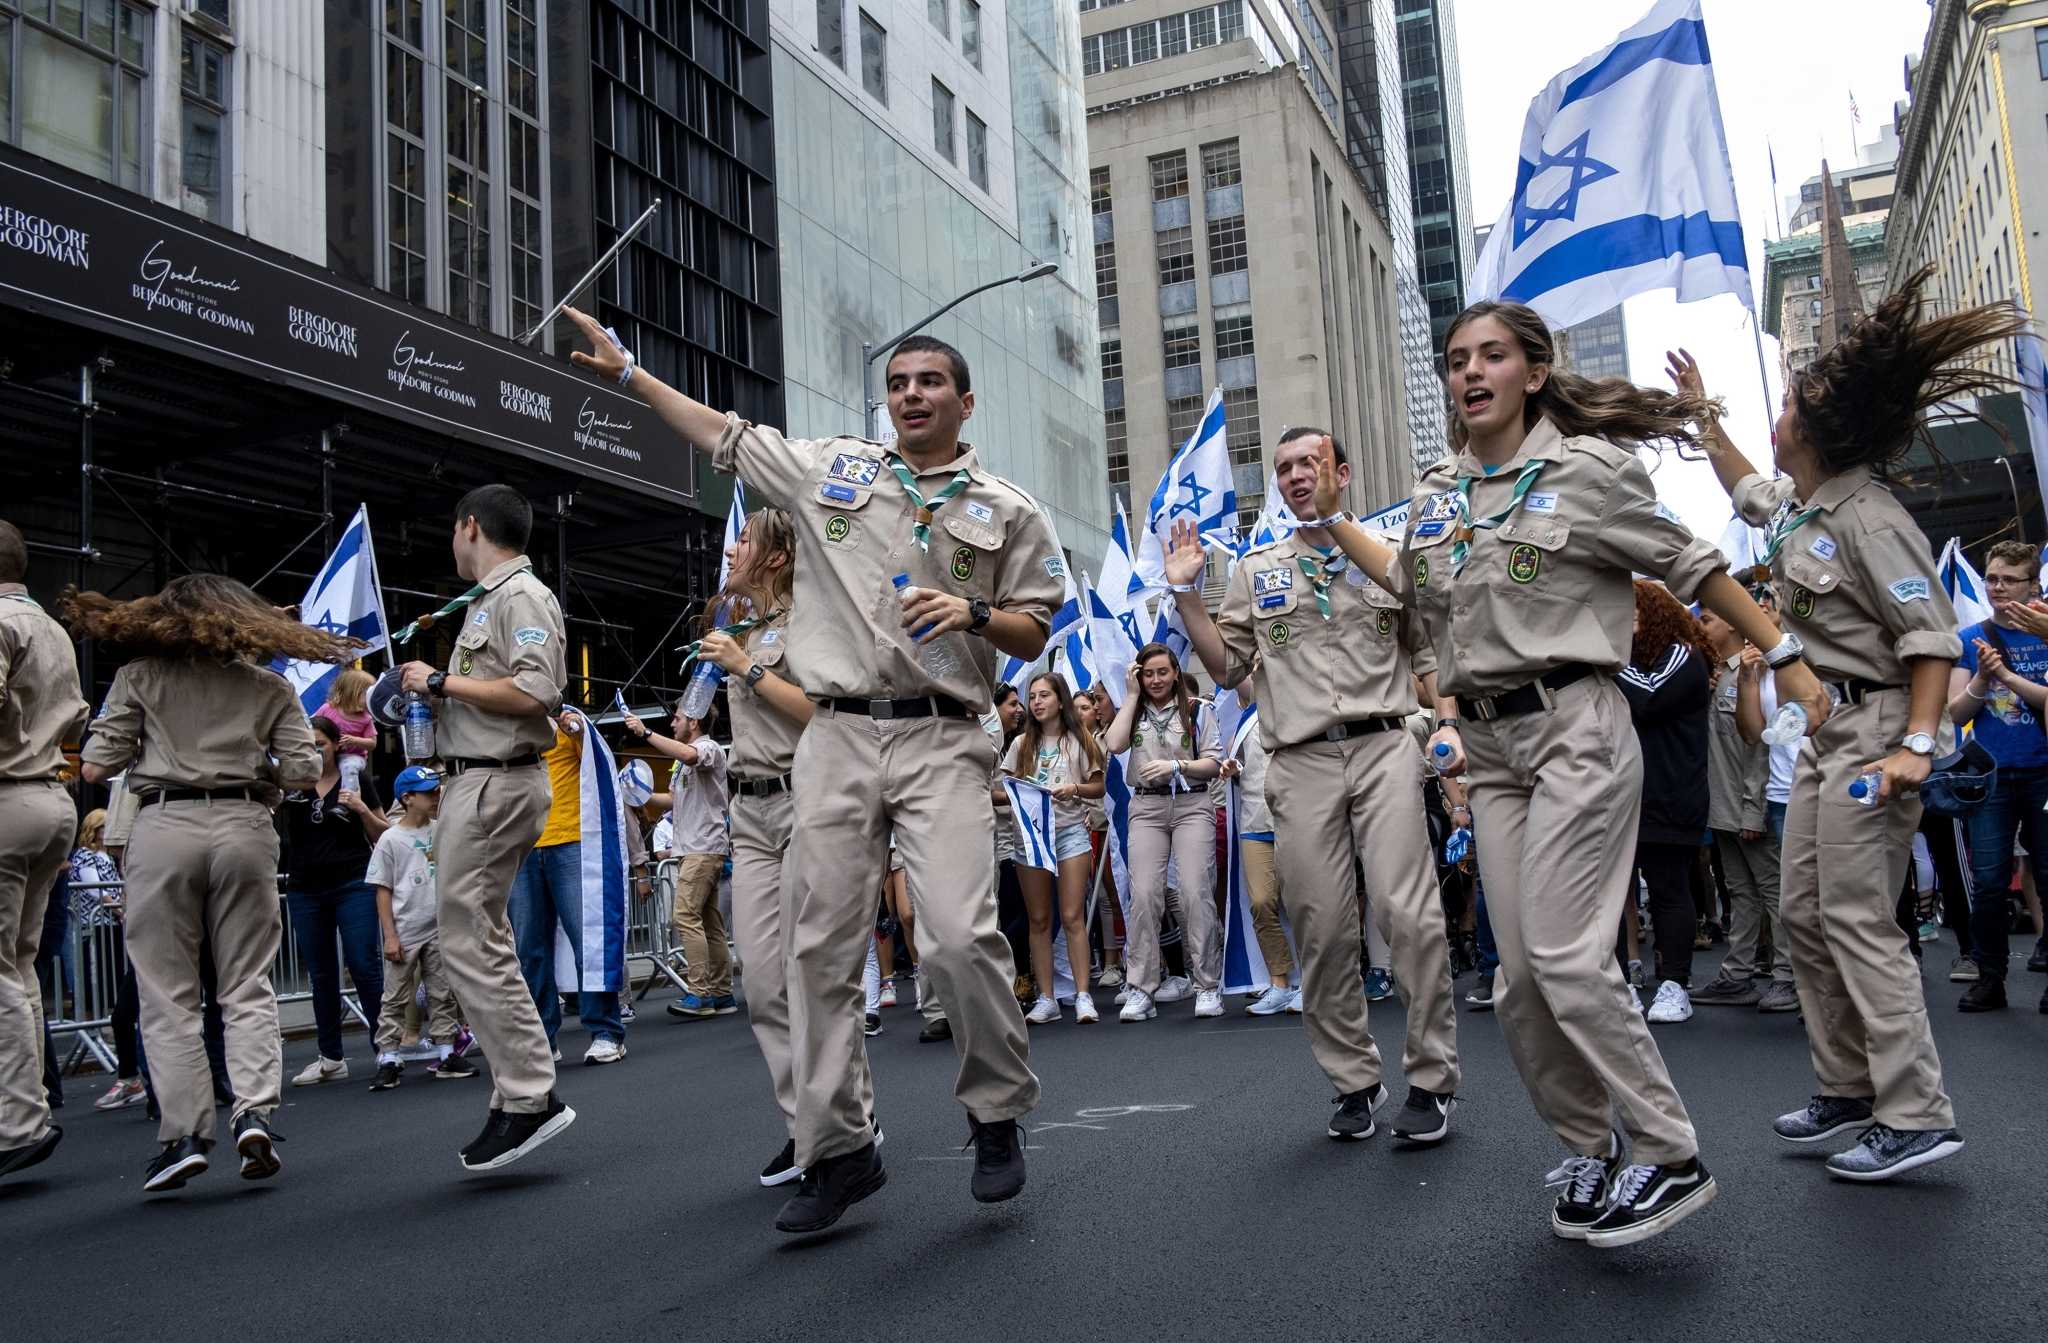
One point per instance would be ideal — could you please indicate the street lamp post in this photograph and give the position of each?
(870, 349)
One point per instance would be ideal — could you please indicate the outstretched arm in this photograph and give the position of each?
(693, 421)
(1730, 466)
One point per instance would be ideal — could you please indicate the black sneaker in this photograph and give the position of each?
(1986, 995)
(1582, 1183)
(1353, 1120)
(871, 1024)
(1480, 999)
(829, 1188)
(1883, 1152)
(35, 1154)
(508, 1137)
(1425, 1117)
(256, 1144)
(1823, 1118)
(178, 1162)
(1647, 1201)
(935, 1031)
(998, 1159)
(783, 1168)
(388, 1076)
(2038, 962)
(453, 1069)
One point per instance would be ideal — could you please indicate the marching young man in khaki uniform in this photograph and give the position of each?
(39, 711)
(494, 709)
(1334, 658)
(899, 679)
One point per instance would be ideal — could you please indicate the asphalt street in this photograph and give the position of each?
(1180, 1187)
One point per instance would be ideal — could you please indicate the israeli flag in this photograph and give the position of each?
(1198, 486)
(1624, 184)
(1744, 546)
(345, 598)
(1963, 584)
(1169, 630)
(1032, 806)
(2033, 378)
(1014, 672)
(1110, 641)
(1244, 965)
(601, 911)
(1116, 804)
(735, 523)
(1120, 581)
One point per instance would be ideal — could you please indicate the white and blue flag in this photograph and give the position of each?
(735, 523)
(1120, 582)
(600, 911)
(1963, 584)
(1198, 487)
(344, 599)
(1624, 184)
(1110, 641)
(1032, 806)
(2033, 378)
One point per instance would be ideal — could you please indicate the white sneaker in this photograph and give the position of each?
(1173, 989)
(1111, 978)
(1673, 1003)
(1123, 995)
(604, 1050)
(322, 1070)
(556, 1050)
(1635, 998)
(1043, 1012)
(888, 993)
(1084, 1010)
(1294, 1001)
(919, 982)
(1272, 1002)
(1208, 1003)
(421, 1050)
(1139, 1008)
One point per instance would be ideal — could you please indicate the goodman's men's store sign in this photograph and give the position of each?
(76, 249)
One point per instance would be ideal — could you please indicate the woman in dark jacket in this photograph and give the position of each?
(1667, 686)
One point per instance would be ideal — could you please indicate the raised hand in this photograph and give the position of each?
(606, 358)
(1185, 561)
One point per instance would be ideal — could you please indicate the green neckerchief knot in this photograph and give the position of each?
(1461, 548)
(1319, 573)
(405, 636)
(736, 630)
(921, 530)
(1787, 523)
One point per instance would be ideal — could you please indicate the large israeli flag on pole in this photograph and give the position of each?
(1624, 184)
(2033, 378)
(735, 523)
(1198, 486)
(344, 599)
(1109, 641)
(1963, 584)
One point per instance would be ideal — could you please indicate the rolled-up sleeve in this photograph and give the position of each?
(1908, 595)
(769, 463)
(1757, 498)
(1421, 648)
(1030, 571)
(118, 729)
(1234, 624)
(1635, 531)
(1208, 745)
(531, 637)
(289, 735)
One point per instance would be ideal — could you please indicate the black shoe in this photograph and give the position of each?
(256, 1144)
(1480, 999)
(388, 1076)
(2038, 962)
(1425, 1117)
(1353, 1120)
(1583, 1181)
(829, 1188)
(871, 1024)
(178, 1162)
(35, 1154)
(783, 1168)
(998, 1159)
(1823, 1118)
(1986, 995)
(1647, 1201)
(508, 1137)
(935, 1031)
(453, 1069)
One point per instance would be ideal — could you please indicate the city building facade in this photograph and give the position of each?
(1793, 285)
(1439, 169)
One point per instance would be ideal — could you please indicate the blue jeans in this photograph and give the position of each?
(347, 912)
(1774, 819)
(547, 893)
(1482, 930)
(2016, 801)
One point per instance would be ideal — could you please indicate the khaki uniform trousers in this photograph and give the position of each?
(205, 870)
(1262, 880)
(1184, 825)
(1751, 868)
(763, 830)
(1859, 986)
(490, 819)
(36, 824)
(401, 989)
(1556, 797)
(927, 778)
(1334, 805)
(698, 926)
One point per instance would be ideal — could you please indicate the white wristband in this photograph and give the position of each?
(1183, 587)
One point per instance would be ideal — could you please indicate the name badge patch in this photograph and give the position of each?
(853, 467)
(981, 512)
(1425, 530)
(1664, 512)
(842, 493)
(1824, 547)
(1545, 502)
(530, 635)
(1913, 589)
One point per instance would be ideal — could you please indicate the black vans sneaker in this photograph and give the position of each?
(508, 1137)
(256, 1144)
(1647, 1201)
(35, 1154)
(1582, 1183)
(829, 1188)
(1425, 1117)
(783, 1168)
(1823, 1118)
(453, 1069)
(178, 1162)
(1353, 1120)
(998, 1159)
(389, 1075)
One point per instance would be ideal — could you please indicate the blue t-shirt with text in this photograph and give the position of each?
(2006, 724)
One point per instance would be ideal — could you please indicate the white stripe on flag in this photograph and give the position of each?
(1032, 806)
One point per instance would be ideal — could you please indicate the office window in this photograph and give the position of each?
(203, 105)
(977, 151)
(941, 12)
(1118, 458)
(1169, 177)
(1173, 36)
(2041, 50)
(1183, 345)
(1227, 250)
(216, 10)
(1144, 43)
(1176, 256)
(1230, 20)
(1112, 359)
(874, 58)
(1115, 48)
(1241, 421)
(1183, 417)
(526, 282)
(76, 77)
(1202, 29)
(1233, 337)
(942, 121)
(1813, 307)
(832, 31)
(1105, 272)
(1098, 191)
(970, 32)
(1220, 166)
(467, 52)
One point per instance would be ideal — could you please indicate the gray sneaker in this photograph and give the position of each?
(1885, 1152)
(1778, 997)
(1823, 1118)
(1725, 992)
(1962, 970)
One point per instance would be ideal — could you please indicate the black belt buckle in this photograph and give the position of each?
(885, 710)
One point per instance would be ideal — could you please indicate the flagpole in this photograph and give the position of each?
(377, 581)
(1756, 329)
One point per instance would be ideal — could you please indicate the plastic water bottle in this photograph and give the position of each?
(936, 658)
(1787, 726)
(1440, 757)
(1864, 788)
(703, 687)
(418, 731)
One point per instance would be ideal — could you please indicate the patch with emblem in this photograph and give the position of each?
(1914, 589)
(1425, 530)
(1545, 502)
(1524, 563)
(480, 618)
(1422, 571)
(531, 634)
(1666, 514)
(770, 637)
(1279, 634)
(1055, 567)
(1441, 506)
(980, 512)
(841, 494)
(963, 562)
(1385, 623)
(462, 664)
(1802, 602)
(837, 529)
(1272, 580)
(853, 468)
(1823, 547)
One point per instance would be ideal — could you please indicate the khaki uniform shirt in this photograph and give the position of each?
(853, 524)
(39, 702)
(1856, 582)
(697, 800)
(763, 739)
(1553, 583)
(512, 628)
(203, 723)
(1159, 734)
(1737, 772)
(1312, 673)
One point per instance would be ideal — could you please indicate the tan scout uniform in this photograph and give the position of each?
(1261, 877)
(1857, 584)
(1174, 819)
(198, 738)
(39, 709)
(763, 830)
(1556, 790)
(1344, 785)
(491, 816)
(860, 775)
(1737, 774)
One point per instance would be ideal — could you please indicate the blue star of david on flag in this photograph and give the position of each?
(1199, 484)
(1585, 171)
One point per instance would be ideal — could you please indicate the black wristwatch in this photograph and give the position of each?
(754, 675)
(435, 682)
(978, 613)
(1443, 723)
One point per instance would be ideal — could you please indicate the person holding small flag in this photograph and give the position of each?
(1059, 755)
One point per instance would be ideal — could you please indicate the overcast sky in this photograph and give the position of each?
(1786, 70)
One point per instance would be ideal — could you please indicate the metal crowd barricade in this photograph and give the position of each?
(650, 932)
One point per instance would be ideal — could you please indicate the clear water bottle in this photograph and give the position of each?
(936, 658)
(703, 687)
(1863, 788)
(418, 730)
(1787, 727)
(1440, 757)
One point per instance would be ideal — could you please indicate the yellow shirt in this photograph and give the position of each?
(565, 777)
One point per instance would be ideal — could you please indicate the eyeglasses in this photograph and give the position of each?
(2005, 581)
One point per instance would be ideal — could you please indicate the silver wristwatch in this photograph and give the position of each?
(1919, 743)
(1787, 650)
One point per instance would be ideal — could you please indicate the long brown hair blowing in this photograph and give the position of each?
(1611, 408)
(202, 616)
(771, 531)
(1664, 621)
(1183, 703)
(1865, 402)
(1033, 735)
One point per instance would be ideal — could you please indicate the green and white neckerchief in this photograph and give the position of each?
(22, 597)
(1786, 523)
(1319, 572)
(1461, 546)
(921, 530)
(737, 630)
(1166, 724)
(426, 622)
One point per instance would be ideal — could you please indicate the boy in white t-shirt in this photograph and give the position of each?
(402, 870)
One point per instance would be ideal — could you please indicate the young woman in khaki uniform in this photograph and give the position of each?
(209, 737)
(1858, 587)
(1519, 555)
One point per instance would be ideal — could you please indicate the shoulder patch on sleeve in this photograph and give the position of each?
(531, 634)
(1911, 589)
(1664, 512)
(1055, 567)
